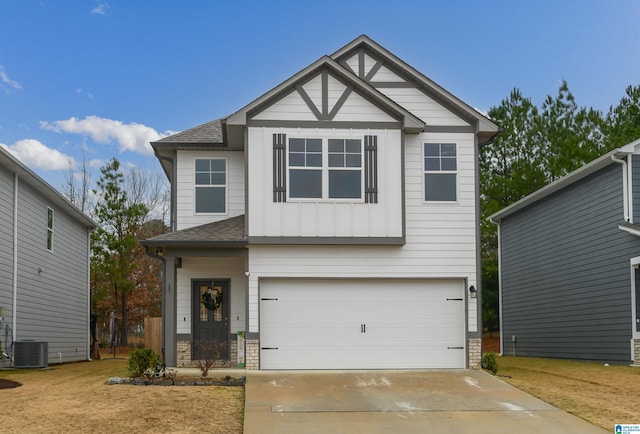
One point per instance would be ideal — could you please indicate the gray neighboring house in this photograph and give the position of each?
(44, 265)
(570, 264)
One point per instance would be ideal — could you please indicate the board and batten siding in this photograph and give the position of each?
(324, 217)
(440, 237)
(52, 303)
(566, 289)
(214, 268)
(185, 187)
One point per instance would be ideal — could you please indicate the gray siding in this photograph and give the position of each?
(6, 243)
(566, 289)
(52, 293)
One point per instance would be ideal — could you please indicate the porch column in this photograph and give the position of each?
(169, 312)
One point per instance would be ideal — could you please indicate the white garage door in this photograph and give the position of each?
(357, 324)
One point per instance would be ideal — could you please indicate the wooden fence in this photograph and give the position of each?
(153, 334)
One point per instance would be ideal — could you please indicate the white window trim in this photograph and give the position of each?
(226, 187)
(50, 230)
(424, 172)
(325, 171)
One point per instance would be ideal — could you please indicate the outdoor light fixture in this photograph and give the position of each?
(473, 291)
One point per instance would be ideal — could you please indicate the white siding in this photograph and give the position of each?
(185, 187)
(291, 107)
(423, 106)
(385, 75)
(358, 109)
(440, 238)
(324, 218)
(215, 269)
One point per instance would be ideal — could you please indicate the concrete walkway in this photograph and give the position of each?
(451, 401)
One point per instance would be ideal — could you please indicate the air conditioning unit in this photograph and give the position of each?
(31, 354)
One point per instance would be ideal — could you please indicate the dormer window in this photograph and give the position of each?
(211, 186)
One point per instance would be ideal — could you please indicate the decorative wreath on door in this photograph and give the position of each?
(212, 299)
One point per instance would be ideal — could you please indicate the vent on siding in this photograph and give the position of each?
(31, 354)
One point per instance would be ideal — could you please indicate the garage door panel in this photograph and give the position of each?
(331, 324)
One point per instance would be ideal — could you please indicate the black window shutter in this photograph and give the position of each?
(279, 167)
(371, 169)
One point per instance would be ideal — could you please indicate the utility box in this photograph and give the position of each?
(31, 354)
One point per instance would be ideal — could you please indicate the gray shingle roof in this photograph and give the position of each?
(229, 232)
(211, 132)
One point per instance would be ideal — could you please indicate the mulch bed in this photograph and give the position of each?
(8, 384)
(226, 381)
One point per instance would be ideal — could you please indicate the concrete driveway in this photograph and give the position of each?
(451, 401)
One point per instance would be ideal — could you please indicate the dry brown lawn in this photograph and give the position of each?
(602, 395)
(76, 398)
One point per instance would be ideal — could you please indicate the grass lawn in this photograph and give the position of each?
(601, 395)
(75, 398)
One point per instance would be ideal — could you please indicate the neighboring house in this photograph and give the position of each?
(44, 266)
(337, 218)
(569, 264)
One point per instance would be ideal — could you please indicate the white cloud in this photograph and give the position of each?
(81, 92)
(34, 154)
(6, 83)
(130, 137)
(100, 8)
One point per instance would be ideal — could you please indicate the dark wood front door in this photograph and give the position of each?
(210, 319)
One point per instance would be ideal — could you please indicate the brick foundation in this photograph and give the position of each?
(475, 353)
(184, 356)
(252, 354)
(636, 352)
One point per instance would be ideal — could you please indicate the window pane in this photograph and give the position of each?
(218, 178)
(314, 145)
(353, 146)
(296, 159)
(336, 145)
(431, 149)
(353, 160)
(314, 160)
(336, 160)
(305, 183)
(202, 165)
(345, 184)
(49, 218)
(440, 186)
(448, 150)
(296, 145)
(210, 199)
(203, 178)
(218, 165)
(448, 164)
(432, 163)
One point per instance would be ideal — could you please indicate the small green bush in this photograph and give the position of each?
(490, 362)
(140, 360)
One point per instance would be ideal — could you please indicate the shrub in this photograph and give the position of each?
(140, 360)
(490, 362)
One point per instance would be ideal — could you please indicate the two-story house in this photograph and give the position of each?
(334, 219)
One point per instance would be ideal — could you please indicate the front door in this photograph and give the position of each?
(210, 319)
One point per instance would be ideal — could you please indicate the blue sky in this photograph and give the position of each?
(107, 77)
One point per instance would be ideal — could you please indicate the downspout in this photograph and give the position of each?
(164, 284)
(89, 294)
(625, 187)
(497, 223)
(630, 186)
(14, 320)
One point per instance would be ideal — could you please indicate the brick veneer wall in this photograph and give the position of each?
(184, 355)
(636, 352)
(475, 353)
(252, 354)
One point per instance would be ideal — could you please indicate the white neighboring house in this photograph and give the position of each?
(44, 270)
(336, 216)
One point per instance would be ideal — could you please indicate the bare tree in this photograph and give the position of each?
(77, 185)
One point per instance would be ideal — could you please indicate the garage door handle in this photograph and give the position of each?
(363, 328)
(268, 348)
(269, 299)
(454, 299)
(455, 348)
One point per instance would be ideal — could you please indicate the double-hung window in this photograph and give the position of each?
(50, 229)
(440, 172)
(325, 168)
(211, 186)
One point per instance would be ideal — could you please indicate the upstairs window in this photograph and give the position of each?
(50, 229)
(440, 172)
(325, 168)
(211, 186)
